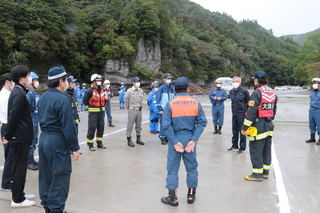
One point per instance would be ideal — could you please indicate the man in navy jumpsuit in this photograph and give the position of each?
(122, 91)
(57, 139)
(164, 94)
(314, 111)
(183, 123)
(217, 97)
(239, 104)
(154, 113)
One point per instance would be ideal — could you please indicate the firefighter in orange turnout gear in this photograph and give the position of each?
(261, 112)
(95, 100)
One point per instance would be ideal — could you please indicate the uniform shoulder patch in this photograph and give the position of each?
(251, 103)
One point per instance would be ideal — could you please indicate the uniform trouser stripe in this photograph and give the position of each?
(266, 167)
(260, 152)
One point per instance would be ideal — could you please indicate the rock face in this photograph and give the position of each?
(149, 55)
(119, 67)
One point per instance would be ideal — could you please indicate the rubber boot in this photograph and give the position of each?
(171, 199)
(91, 147)
(191, 195)
(215, 130)
(110, 124)
(130, 142)
(31, 165)
(139, 141)
(253, 177)
(312, 139)
(100, 145)
(265, 174)
(219, 130)
(33, 161)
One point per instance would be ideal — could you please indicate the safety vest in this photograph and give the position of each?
(97, 101)
(266, 107)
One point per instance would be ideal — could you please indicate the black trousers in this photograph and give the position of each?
(95, 122)
(8, 159)
(260, 152)
(237, 121)
(20, 153)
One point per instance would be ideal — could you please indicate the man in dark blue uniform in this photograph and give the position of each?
(57, 139)
(183, 123)
(217, 97)
(239, 104)
(314, 111)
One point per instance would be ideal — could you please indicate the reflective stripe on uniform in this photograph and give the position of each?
(89, 141)
(261, 136)
(266, 167)
(91, 109)
(258, 171)
(247, 122)
(77, 121)
(99, 138)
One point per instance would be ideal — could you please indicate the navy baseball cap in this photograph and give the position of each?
(134, 79)
(181, 82)
(166, 75)
(56, 73)
(71, 79)
(260, 75)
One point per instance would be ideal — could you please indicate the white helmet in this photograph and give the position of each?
(96, 77)
(106, 82)
(315, 80)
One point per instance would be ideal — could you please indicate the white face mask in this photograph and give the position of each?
(72, 86)
(36, 84)
(138, 85)
(219, 85)
(29, 81)
(168, 81)
(156, 89)
(107, 86)
(66, 87)
(315, 86)
(235, 85)
(99, 83)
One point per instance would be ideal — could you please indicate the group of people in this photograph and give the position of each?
(182, 121)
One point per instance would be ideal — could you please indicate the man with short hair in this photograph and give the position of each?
(33, 98)
(133, 103)
(19, 134)
(239, 104)
(183, 122)
(7, 85)
(164, 94)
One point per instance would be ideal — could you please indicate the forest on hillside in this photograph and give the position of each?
(82, 34)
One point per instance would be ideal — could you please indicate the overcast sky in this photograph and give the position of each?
(282, 16)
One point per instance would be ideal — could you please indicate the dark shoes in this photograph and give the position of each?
(171, 199)
(163, 142)
(139, 141)
(240, 151)
(130, 142)
(100, 145)
(312, 138)
(191, 195)
(215, 130)
(253, 177)
(91, 147)
(219, 130)
(110, 124)
(32, 164)
(232, 149)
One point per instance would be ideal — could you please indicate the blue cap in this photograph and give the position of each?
(134, 79)
(71, 79)
(260, 75)
(77, 83)
(34, 75)
(166, 75)
(56, 73)
(182, 82)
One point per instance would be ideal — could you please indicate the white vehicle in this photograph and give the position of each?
(226, 84)
(280, 88)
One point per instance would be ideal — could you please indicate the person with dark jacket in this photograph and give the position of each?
(239, 104)
(19, 134)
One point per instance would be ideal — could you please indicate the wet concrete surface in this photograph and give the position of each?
(124, 179)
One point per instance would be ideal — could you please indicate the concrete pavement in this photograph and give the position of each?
(124, 179)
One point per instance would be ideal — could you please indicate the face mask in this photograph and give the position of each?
(156, 89)
(12, 85)
(36, 84)
(168, 81)
(315, 86)
(138, 85)
(29, 81)
(66, 87)
(99, 83)
(235, 85)
(219, 85)
(72, 86)
(107, 86)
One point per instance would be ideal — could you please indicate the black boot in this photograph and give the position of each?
(110, 124)
(265, 174)
(215, 130)
(130, 142)
(31, 165)
(171, 199)
(219, 131)
(91, 147)
(191, 195)
(100, 145)
(139, 141)
(312, 139)
(47, 210)
(33, 161)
